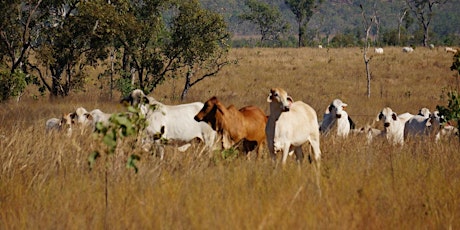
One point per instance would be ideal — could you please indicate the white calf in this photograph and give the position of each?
(53, 124)
(336, 114)
(450, 50)
(393, 126)
(97, 115)
(89, 119)
(378, 50)
(407, 49)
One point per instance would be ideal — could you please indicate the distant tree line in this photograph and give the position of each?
(337, 23)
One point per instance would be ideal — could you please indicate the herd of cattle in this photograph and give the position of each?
(289, 125)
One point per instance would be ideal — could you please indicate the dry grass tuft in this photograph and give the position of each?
(45, 181)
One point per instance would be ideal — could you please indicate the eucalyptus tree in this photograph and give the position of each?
(303, 11)
(424, 11)
(198, 45)
(19, 30)
(268, 19)
(68, 43)
(140, 32)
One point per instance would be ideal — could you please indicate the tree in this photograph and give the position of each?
(367, 24)
(268, 18)
(424, 11)
(198, 44)
(401, 15)
(141, 33)
(303, 11)
(19, 27)
(456, 67)
(68, 43)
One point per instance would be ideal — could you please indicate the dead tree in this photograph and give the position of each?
(367, 23)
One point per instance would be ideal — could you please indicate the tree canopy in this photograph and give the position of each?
(147, 41)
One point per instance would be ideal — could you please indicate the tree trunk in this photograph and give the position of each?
(368, 73)
(425, 35)
(300, 33)
(187, 84)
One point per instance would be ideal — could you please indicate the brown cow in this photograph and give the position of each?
(246, 124)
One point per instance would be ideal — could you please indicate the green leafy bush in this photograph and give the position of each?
(121, 125)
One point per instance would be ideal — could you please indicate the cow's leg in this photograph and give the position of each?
(317, 155)
(259, 150)
(227, 143)
(269, 138)
(298, 154)
(286, 149)
(159, 149)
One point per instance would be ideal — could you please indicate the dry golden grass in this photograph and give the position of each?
(45, 182)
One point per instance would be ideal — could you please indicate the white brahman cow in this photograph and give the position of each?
(138, 97)
(177, 123)
(87, 119)
(336, 115)
(378, 50)
(407, 49)
(393, 125)
(289, 126)
(422, 126)
(172, 122)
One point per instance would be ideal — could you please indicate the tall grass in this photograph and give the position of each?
(45, 182)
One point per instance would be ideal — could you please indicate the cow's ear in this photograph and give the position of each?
(219, 108)
(379, 117)
(289, 98)
(73, 115)
(394, 116)
(330, 108)
(88, 116)
(269, 98)
(428, 122)
(145, 100)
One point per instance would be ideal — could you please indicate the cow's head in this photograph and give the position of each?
(136, 97)
(336, 107)
(387, 116)
(278, 95)
(67, 121)
(159, 135)
(210, 112)
(424, 112)
(435, 120)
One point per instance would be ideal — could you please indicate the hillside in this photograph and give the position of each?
(340, 16)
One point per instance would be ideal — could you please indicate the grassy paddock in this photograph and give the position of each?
(45, 182)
